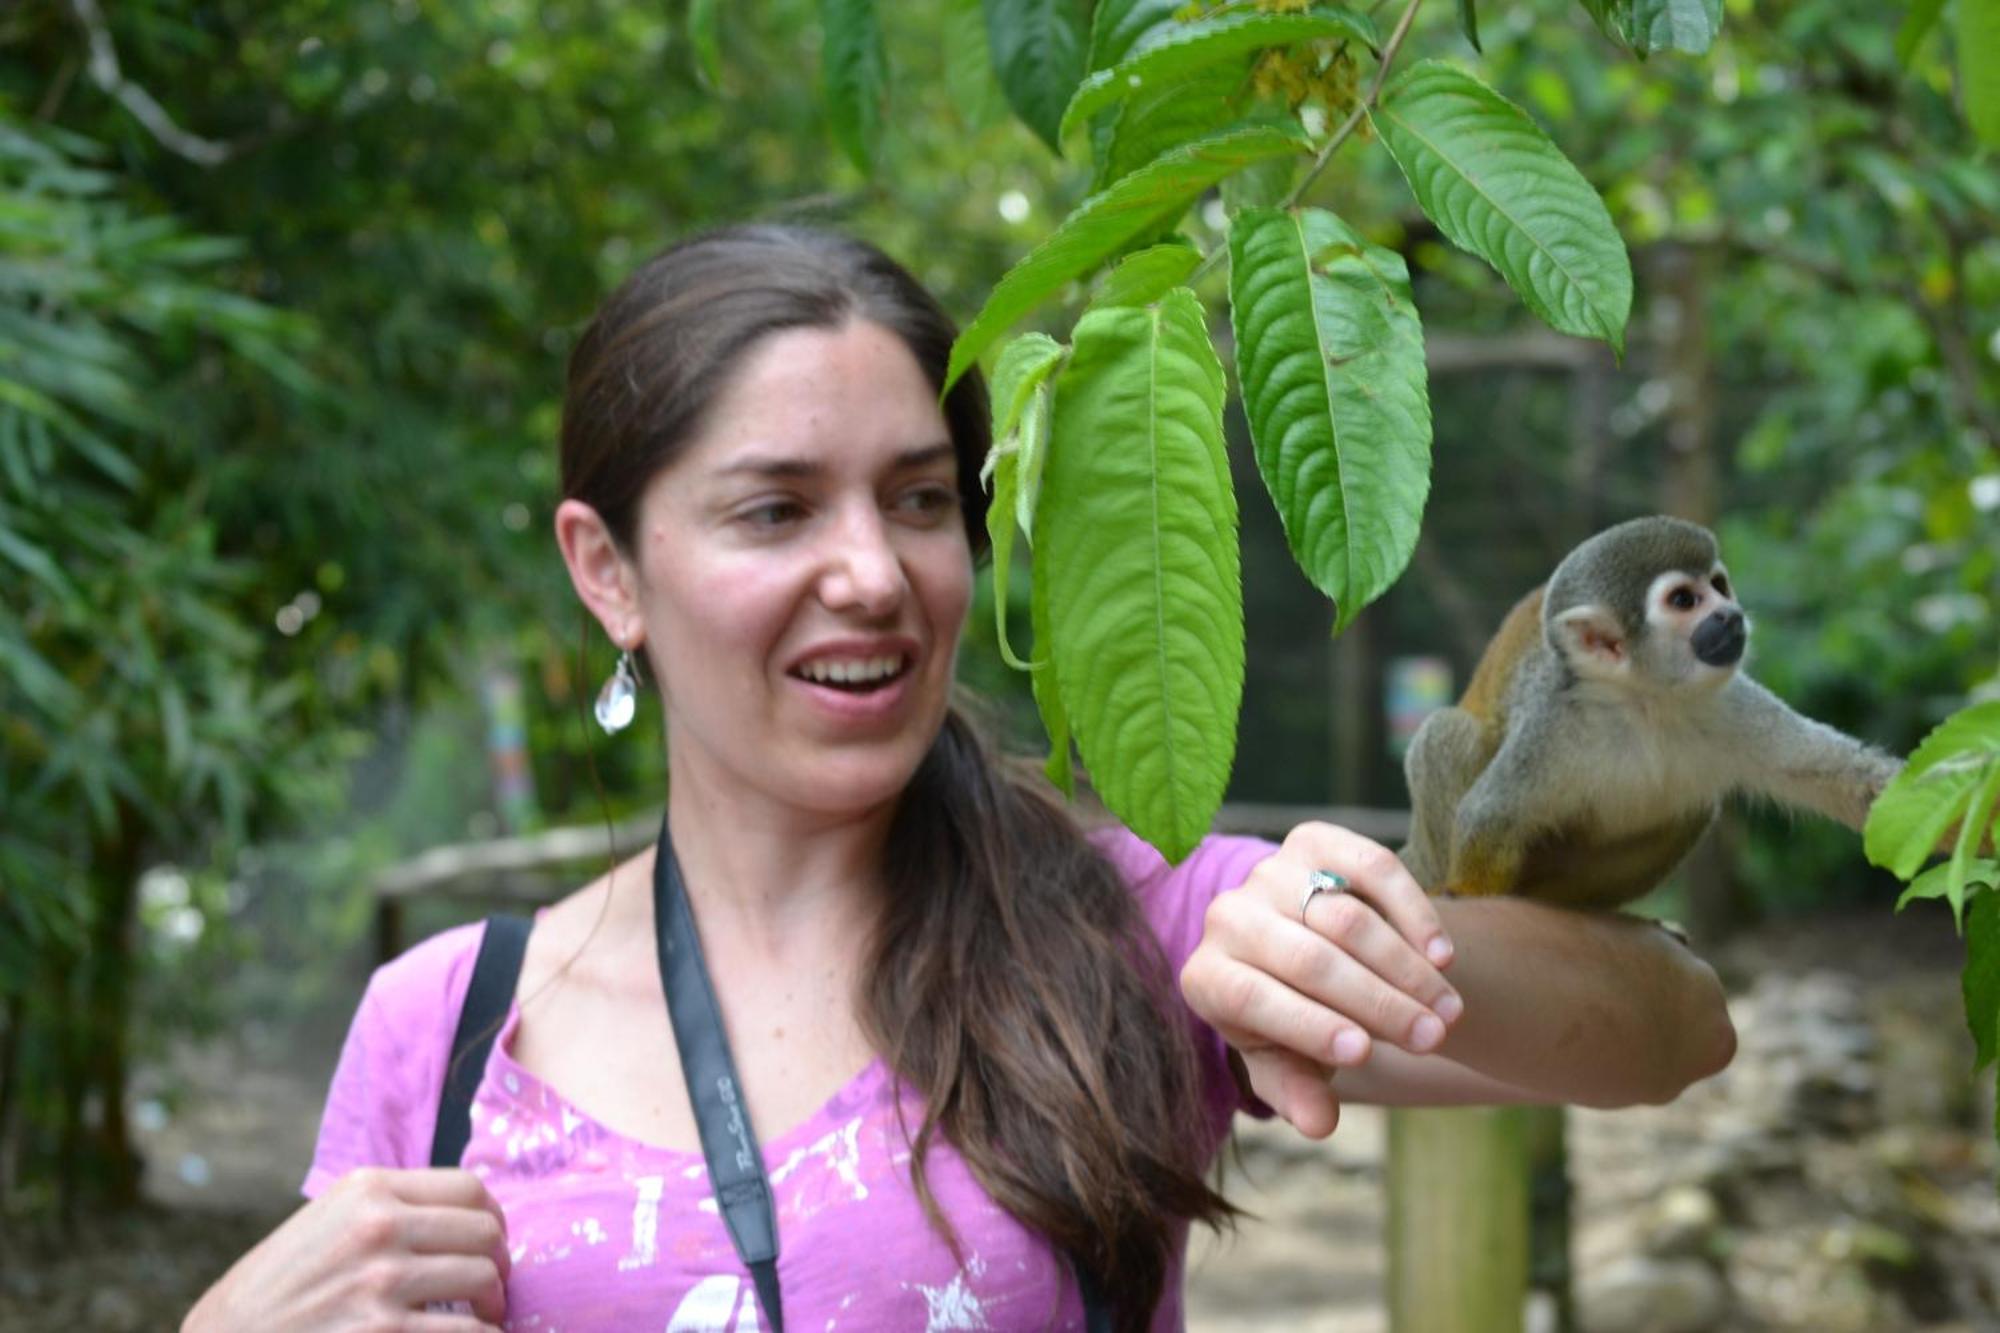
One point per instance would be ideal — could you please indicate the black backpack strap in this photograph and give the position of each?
(480, 1019)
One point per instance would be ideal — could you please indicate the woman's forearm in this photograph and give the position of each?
(1593, 1008)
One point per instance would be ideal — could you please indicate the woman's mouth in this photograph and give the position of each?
(855, 675)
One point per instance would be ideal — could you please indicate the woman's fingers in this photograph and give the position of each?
(448, 1187)
(1375, 874)
(1253, 1010)
(1355, 973)
(454, 1277)
(447, 1323)
(1296, 1088)
(1337, 948)
(456, 1231)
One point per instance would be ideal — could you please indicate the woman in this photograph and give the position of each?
(953, 1015)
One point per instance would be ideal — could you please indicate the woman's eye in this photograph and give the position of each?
(772, 513)
(928, 500)
(1681, 599)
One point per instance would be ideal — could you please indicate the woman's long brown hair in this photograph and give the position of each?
(1014, 984)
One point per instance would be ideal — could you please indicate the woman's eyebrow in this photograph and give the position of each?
(780, 466)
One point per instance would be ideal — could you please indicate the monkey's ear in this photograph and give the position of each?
(1593, 640)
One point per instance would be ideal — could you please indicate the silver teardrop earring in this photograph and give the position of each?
(618, 701)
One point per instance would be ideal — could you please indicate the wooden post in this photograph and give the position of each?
(1458, 1220)
(1458, 1226)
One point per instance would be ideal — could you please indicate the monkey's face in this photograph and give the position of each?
(1694, 633)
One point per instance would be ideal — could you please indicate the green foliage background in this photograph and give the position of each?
(278, 400)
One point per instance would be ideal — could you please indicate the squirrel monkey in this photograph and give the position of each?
(1603, 726)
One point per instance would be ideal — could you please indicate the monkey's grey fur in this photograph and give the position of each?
(1565, 779)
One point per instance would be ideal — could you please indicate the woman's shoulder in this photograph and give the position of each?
(427, 981)
(1219, 861)
(1175, 896)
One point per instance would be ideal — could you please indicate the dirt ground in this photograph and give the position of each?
(1810, 1203)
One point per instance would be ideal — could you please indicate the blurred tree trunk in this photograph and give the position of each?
(99, 1156)
(11, 1017)
(1357, 718)
(1681, 276)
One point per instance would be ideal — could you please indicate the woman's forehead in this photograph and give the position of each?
(810, 400)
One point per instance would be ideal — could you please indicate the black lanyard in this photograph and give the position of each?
(735, 1162)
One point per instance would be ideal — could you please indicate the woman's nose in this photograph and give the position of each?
(864, 572)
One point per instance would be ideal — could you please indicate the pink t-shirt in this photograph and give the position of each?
(610, 1234)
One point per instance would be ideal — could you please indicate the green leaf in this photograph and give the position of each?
(1000, 528)
(1973, 831)
(1673, 25)
(1136, 546)
(1937, 881)
(1159, 120)
(1033, 438)
(968, 65)
(1979, 66)
(1148, 199)
(1495, 184)
(1024, 363)
(1144, 276)
(1980, 983)
(1330, 354)
(857, 76)
(1265, 185)
(1934, 791)
(1116, 26)
(1468, 23)
(1170, 55)
(1038, 54)
(704, 37)
(1020, 402)
(1048, 699)
(35, 561)
(1916, 26)
(1611, 18)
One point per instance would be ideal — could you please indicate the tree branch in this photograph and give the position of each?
(106, 74)
(1361, 107)
(1340, 135)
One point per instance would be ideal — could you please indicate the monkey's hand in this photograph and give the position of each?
(1300, 986)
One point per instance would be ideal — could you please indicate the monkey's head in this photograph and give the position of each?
(1647, 604)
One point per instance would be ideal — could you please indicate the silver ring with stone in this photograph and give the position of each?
(1318, 882)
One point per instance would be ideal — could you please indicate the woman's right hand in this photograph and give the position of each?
(377, 1251)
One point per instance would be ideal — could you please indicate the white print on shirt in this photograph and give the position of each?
(842, 1151)
(645, 1225)
(953, 1308)
(713, 1303)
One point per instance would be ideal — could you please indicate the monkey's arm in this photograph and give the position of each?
(1790, 758)
(1443, 762)
(1560, 1006)
(1509, 803)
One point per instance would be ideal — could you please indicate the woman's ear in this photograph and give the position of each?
(603, 578)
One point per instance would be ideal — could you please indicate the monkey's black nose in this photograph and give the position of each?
(1719, 640)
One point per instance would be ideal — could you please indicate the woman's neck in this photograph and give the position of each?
(769, 882)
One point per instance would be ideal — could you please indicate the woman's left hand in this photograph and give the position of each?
(1301, 985)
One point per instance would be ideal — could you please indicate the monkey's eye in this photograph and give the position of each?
(1721, 584)
(1682, 599)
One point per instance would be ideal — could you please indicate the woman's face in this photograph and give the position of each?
(802, 574)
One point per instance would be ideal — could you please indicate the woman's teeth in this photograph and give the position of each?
(852, 671)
